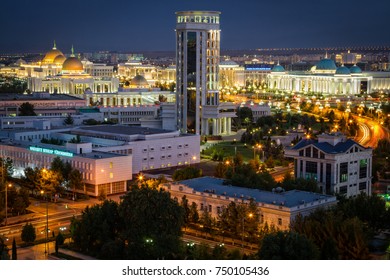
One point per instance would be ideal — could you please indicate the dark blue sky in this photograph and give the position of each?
(127, 25)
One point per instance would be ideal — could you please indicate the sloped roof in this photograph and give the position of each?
(326, 147)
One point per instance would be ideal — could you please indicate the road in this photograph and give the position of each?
(372, 132)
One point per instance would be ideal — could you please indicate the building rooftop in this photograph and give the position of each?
(123, 129)
(340, 147)
(36, 96)
(35, 147)
(288, 198)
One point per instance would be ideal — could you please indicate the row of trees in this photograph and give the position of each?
(254, 175)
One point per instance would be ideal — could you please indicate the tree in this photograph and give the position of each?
(27, 109)
(152, 223)
(193, 214)
(327, 228)
(59, 241)
(4, 255)
(186, 173)
(28, 233)
(220, 170)
(207, 221)
(287, 245)
(186, 208)
(98, 225)
(68, 120)
(75, 181)
(245, 115)
(14, 253)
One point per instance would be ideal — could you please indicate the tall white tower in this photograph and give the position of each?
(197, 66)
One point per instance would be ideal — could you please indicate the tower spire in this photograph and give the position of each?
(72, 55)
(54, 45)
(326, 54)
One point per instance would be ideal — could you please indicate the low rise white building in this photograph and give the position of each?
(276, 208)
(101, 172)
(338, 164)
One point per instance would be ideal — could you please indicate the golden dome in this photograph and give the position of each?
(72, 64)
(51, 55)
(60, 59)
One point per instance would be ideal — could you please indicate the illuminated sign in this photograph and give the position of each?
(258, 68)
(51, 151)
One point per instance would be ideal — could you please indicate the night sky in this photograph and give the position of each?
(127, 25)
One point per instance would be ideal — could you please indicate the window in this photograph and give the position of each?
(311, 170)
(144, 150)
(315, 153)
(343, 172)
(308, 152)
(343, 190)
(362, 186)
(111, 164)
(322, 155)
(111, 175)
(279, 221)
(363, 168)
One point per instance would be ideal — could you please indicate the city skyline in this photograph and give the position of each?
(125, 26)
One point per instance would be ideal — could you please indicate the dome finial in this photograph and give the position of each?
(326, 54)
(72, 55)
(54, 45)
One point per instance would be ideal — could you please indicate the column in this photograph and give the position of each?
(214, 127)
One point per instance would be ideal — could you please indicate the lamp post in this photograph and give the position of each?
(47, 223)
(6, 203)
(250, 215)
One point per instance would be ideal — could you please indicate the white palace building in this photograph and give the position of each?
(327, 78)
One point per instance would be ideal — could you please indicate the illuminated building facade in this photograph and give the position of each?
(197, 75)
(107, 155)
(278, 209)
(327, 78)
(338, 164)
(58, 74)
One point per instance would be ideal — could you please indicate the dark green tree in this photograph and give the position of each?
(186, 208)
(287, 245)
(193, 214)
(28, 233)
(152, 223)
(68, 120)
(98, 225)
(59, 241)
(14, 252)
(4, 255)
(27, 109)
(186, 173)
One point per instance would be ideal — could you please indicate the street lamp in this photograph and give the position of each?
(250, 215)
(47, 223)
(6, 203)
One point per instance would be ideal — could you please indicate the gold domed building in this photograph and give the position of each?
(51, 55)
(58, 74)
(72, 65)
